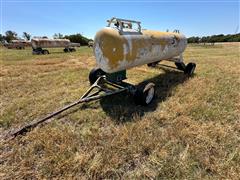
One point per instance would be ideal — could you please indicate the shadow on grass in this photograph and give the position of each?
(122, 108)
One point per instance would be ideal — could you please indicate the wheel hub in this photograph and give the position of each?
(150, 95)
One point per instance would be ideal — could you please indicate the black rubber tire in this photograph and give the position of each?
(66, 50)
(142, 94)
(180, 65)
(72, 49)
(190, 68)
(35, 52)
(94, 74)
(45, 52)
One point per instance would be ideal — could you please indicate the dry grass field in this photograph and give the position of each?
(190, 131)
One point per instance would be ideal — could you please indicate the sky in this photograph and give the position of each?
(46, 17)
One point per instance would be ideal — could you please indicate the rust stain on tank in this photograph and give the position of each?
(112, 45)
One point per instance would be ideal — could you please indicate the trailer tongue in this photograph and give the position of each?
(102, 87)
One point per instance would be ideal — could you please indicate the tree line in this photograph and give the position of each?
(75, 38)
(11, 35)
(215, 38)
(79, 38)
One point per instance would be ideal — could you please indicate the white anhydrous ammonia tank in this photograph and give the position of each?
(50, 43)
(116, 50)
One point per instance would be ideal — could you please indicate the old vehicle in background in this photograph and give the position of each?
(39, 43)
(17, 44)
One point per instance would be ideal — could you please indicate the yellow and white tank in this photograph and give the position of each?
(119, 48)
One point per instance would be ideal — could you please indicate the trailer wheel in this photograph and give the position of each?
(180, 65)
(189, 70)
(38, 52)
(144, 96)
(45, 51)
(94, 74)
(66, 50)
(34, 52)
